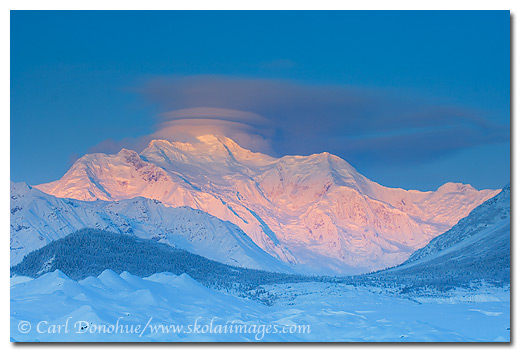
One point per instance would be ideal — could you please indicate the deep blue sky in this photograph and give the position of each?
(411, 99)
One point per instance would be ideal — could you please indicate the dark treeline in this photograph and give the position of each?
(88, 252)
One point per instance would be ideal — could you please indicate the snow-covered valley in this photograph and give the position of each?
(177, 308)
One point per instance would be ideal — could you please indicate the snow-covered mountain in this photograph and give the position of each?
(476, 248)
(315, 212)
(38, 218)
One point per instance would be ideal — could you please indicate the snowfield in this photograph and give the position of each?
(87, 311)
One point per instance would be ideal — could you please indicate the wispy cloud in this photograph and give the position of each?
(213, 113)
(284, 117)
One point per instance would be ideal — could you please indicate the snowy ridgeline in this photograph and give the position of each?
(315, 213)
(38, 219)
(475, 250)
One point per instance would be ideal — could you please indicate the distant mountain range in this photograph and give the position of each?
(476, 249)
(314, 214)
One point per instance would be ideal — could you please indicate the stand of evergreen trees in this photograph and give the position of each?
(89, 251)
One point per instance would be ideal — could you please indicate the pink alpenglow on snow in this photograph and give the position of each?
(316, 212)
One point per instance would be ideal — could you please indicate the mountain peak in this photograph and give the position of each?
(350, 222)
(210, 138)
(449, 187)
(127, 152)
(220, 141)
(158, 142)
(131, 157)
(208, 148)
